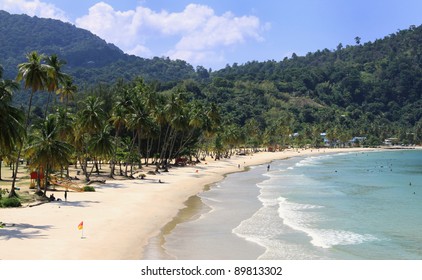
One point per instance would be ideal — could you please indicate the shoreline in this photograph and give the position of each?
(122, 216)
(155, 247)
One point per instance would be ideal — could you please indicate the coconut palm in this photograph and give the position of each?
(55, 77)
(174, 117)
(91, 114)
(35, 76)
(46, 152)
(65, 122)
(11, 119)
(90, 121)
(100, 146)
(119, 120)
(139, 120)
(67, 91)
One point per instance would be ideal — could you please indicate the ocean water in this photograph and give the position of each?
(361, 205)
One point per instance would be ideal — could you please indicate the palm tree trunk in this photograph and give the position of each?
(165, 144)
(173, 143)
(46, 180)
(183, 142)
(113, 160)
(46, 105)
(85, 169)
(150, 142)
(90, 172)
(139, 149)
(15, 172)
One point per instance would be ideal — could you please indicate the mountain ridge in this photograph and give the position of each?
(81, 50)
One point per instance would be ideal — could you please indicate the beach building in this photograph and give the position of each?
(391, 141)
(357, 141)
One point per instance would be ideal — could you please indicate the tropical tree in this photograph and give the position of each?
(178, 121)
(35, 76)
(55, 77)
(67, 91)
(65, 123)
(90, 121)
(139, 120)
(252, 131)
(119, 120)
(100, 146)
(91, 114)
(232, 136)
(46, 151)
(11, 118)
(417, 136)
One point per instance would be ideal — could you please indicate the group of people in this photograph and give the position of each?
(53, 198)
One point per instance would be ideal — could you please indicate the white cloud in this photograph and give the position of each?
(196, 34)
(33, 8)
(201, 36)
(140, 50)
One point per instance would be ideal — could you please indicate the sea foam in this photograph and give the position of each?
(304, 217)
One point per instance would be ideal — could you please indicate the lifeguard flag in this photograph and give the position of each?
(81, 225)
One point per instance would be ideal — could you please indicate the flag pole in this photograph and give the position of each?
(81, 227)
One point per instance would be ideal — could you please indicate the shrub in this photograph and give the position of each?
(10, 202)
(3, 192)
(88, 189)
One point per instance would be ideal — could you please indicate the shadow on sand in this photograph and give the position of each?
(22, 231)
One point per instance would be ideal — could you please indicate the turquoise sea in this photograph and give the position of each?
(361, 205)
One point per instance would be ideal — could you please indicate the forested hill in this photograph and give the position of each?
(373, 84)
(89, 58)
(372, 89)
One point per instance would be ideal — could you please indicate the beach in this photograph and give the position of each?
(121, 216)
(333, 206)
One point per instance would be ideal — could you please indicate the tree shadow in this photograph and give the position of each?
(22, 231)
(110, 186)
(84, 203)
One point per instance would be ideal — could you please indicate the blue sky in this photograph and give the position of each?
(214, 33)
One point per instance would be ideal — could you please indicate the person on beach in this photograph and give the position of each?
(65, 195)
(268, 167)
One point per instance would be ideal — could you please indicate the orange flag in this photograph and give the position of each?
(81, 225)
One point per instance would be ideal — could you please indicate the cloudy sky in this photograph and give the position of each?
(214, 33)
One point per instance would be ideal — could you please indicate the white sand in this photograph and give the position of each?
(120, 217)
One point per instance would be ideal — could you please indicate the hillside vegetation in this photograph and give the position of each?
(371, 90)
(90, 59)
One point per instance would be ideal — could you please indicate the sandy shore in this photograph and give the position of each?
(120, 217)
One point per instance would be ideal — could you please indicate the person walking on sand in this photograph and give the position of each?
(65, 195)
(268, 167)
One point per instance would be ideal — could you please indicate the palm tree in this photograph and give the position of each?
(139, 120)
(65, 123)
(46, 152)
(90, 121)
(11, 119)
(35, 76)
(173, 111)
(100, 146)
(252, 131)
(55, 77)
(91, 115)
(119, 120)
(67, 91)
